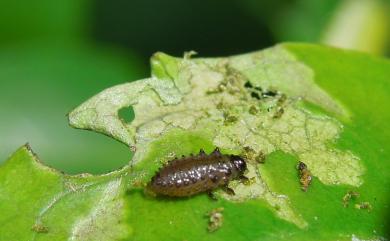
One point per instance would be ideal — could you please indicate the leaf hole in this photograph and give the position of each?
(126, 114)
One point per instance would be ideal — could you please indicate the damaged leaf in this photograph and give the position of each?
(39, 203)
(285, 105)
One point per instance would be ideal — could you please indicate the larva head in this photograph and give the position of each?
(239, 163)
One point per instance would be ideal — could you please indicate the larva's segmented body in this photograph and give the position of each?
(195, 174)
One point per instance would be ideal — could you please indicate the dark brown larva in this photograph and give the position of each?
(195, 174)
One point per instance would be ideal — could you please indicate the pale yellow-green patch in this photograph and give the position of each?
(276, 68)
(208, 96)
(105, 221)
(259, 189)
(296, 132)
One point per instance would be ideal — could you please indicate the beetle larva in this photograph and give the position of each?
(195, 174)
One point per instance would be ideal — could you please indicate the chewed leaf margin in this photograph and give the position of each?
(96, 202)
(252, 102)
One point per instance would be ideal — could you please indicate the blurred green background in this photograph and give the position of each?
(56, 54)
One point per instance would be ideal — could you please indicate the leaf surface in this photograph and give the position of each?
(293, 102)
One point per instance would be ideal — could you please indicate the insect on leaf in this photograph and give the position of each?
(310, 122)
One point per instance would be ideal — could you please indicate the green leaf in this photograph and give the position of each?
(39, 203)
(293, 102)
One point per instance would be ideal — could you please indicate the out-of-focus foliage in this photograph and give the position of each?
(212, 28)
(47, 67)
(360, 24)
(353, 24)
(22, 21)
(294, 20)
